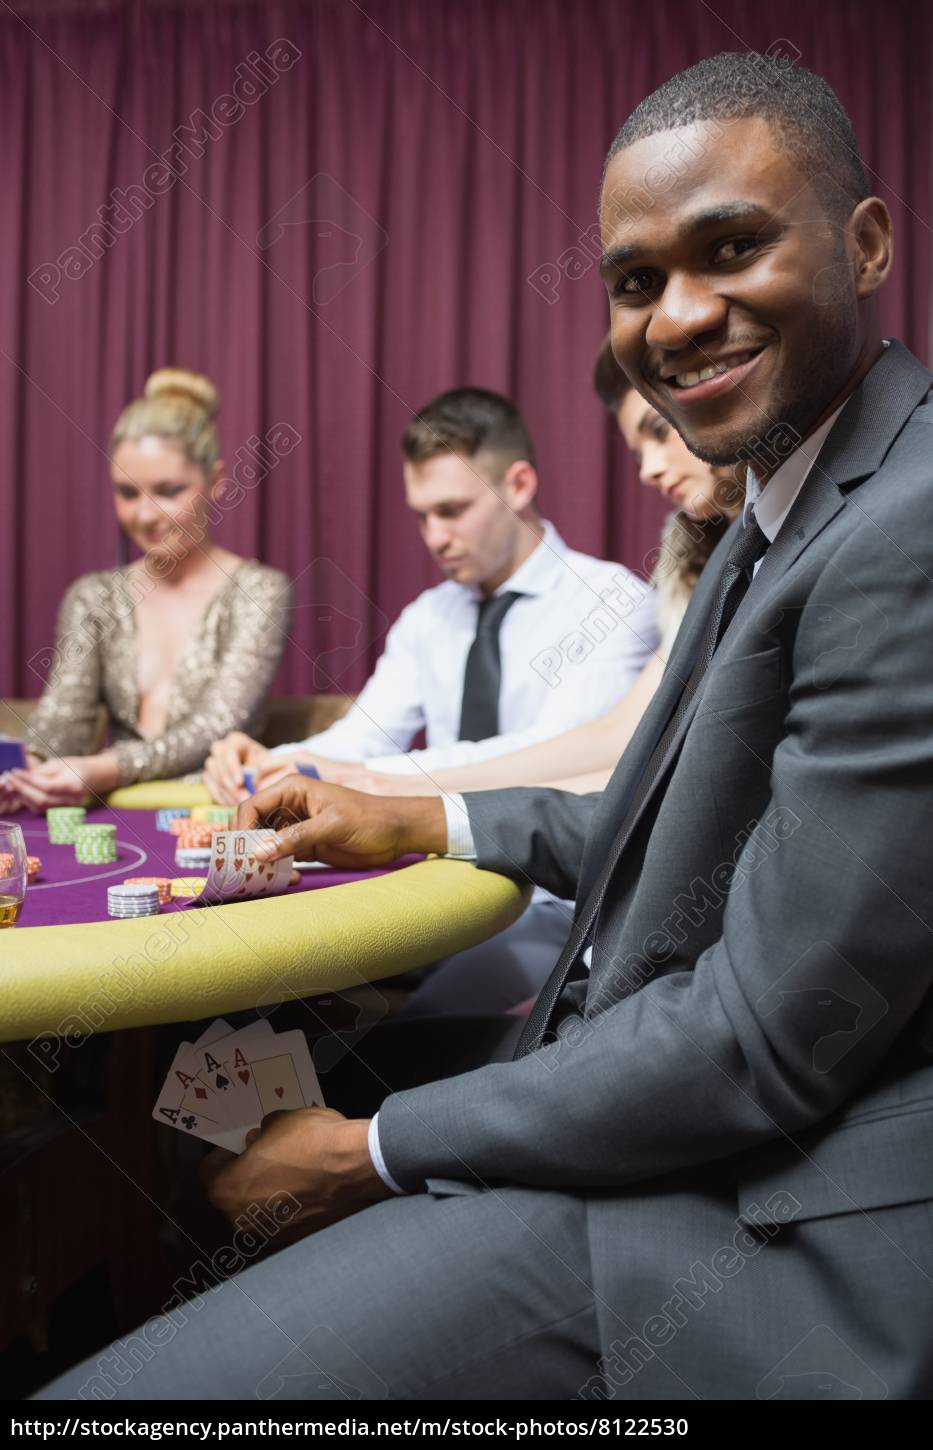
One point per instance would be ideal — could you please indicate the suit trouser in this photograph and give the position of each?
(455, 1293)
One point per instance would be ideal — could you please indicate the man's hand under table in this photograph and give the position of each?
(314, 1160)
(315, 821)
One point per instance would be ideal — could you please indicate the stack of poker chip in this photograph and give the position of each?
(8, 866)
(193, 858)
(127, 901)
(183, 886)
(220, 815)
(95, 845)
(165, 817)
(63, 823)
(162, 884)
(194, 833)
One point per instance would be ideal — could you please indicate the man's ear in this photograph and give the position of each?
(520, 484)
(873, 231)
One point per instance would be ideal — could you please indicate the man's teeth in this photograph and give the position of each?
(690, 380)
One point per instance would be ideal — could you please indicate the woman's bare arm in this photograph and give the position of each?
(587, 753)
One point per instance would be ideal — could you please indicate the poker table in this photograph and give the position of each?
(67, 969)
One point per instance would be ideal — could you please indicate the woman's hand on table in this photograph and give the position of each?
(65, 781)
(312, 1163)
(315, 821)
(383, 783)
(10, 801)
(224, 767)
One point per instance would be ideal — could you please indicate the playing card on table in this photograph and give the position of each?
(236, 873)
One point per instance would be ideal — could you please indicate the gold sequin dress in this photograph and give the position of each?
(221, 681)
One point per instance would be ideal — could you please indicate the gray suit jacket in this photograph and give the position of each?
(754, 1033)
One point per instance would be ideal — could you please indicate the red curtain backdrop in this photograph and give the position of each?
(335, 209)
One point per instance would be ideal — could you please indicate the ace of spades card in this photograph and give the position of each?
(237, 874)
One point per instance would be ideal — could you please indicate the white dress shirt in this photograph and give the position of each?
(570, 648)
(770, 506)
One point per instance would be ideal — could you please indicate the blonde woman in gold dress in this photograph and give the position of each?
(180, 646)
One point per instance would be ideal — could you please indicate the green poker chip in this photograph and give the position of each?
(95, 845)
(63, 822)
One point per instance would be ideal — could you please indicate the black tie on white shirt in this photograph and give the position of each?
(479, 713)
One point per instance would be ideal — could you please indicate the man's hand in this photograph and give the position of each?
(314, 821)
(314, 1160)
(224, 767)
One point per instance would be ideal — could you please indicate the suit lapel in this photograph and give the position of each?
(864, 432)
(640, 748)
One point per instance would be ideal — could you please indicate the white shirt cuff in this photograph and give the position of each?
(460, 841)
(379, 1163)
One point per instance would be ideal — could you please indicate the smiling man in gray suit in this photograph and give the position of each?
(706, 1172)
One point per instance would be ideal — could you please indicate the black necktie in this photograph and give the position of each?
(734, 582)
(479, 713)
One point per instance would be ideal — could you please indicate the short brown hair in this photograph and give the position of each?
(468, 421)
(609, 380)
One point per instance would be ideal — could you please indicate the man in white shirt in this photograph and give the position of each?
(569, 644)
(524, 639)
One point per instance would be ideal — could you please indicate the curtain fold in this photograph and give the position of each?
(335, 209)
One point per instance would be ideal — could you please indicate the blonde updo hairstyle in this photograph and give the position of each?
(180, 407)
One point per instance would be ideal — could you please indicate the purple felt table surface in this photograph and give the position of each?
(66, 892)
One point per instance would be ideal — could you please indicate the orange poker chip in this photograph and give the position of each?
(198, 835)
(163, 883)
(8, 864)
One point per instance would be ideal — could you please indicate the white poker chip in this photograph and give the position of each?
(127, 901)
(193, 856)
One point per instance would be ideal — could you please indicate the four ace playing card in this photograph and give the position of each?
(223, 1085)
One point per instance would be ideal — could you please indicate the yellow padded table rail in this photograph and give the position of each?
(100, 976)
(157, 795)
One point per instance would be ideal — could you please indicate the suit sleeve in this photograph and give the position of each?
(824, 956)
(532, 834)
